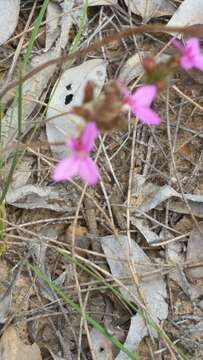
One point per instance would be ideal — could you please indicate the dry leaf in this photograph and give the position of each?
(21, 175)
(12, 348)
(97, 2)
(195, 203)
(47, 197)
(175, 255)
(101, 346)
(102, 2)
(188, 13)
(195, 253)
(153, 288)
(39, 250)
(132, 68)
(52, 23)
(66, 21)
(69, 92)
(167, 8)
(136, 333)
(145, 8)
(143, 227)
(8, 18)
(155, 195)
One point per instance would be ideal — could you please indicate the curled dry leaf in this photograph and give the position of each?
(69, 92)
(143, 227)
(9, 12)
(136, 333)
(195, 202)
(153, 288)
(155, 195)
(12, 348)
(46, 197)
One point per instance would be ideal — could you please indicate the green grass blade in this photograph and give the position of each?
(1, 117)
(77, 38)
(150, 321)
(67, 300)
(19, 96)
(83, 18)
(9, 177)
(34, 33)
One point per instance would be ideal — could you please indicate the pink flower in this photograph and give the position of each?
(79, 163)
(140, 101)
(190, 54)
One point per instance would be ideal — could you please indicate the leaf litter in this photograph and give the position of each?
(146, 9)
(8, 18)
(12, 347)
(153, 289)
(40, 214)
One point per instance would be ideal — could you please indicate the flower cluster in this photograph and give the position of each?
(79, 163)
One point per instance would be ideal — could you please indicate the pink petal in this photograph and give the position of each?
(192, 45)
(89, 172)
(186, 62)
(72, 143)
(124, 89)
(66, 169)
(89, 135)
(144, 95)
(198, 62)
(148, 116)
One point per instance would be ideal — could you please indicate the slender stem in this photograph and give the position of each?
(114, 36)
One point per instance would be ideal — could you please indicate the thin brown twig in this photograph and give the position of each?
(115, 36)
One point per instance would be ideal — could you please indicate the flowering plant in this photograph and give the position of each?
(108, 111)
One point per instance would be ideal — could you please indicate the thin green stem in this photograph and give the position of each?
(67, 300)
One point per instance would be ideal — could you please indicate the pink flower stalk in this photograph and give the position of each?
(140, 101)
(80, 163)
(190, 55)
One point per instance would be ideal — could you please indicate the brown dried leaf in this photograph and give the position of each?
(195, 253)
(12, 348)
